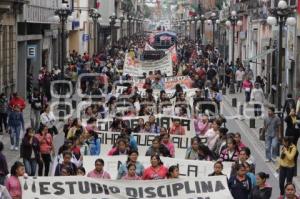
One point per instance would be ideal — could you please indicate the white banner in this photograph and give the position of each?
(78, 187)
(135, 67)
(187, 168)
(161, 120)
(144, 141)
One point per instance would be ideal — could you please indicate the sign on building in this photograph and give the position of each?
(31, 51)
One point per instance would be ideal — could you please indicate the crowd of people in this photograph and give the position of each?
(207, 70)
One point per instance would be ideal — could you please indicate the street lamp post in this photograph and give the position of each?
(95, 15)
(112, 20)
(233, 21)
(62, 15)
(202, 19)
(280, 16)
(213, 20)
(122, 18)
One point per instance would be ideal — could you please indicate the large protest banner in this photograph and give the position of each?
(78, 187)
(162, 121)
(144, 141)
(135, 67)
(169, 82)
(187, 168)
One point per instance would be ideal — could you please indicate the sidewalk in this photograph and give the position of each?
(240, 97)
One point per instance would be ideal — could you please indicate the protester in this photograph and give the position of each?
(286, 163)
(36, 102)
(289, 104)
(66, 164)
(231, 153)
(177, 129)
(131, 174)
(247, 86)
(13, 184)
(80, 171)
(173, 172)
(46, 147)
(291, 126)
(240, 185)
(156, 171)
(15, 123)
(262, 189)
(158, 148)
(257, 96)
(132, 159)
(213, 134)
(289, 192)
(99, 172)
(218, 168)
(48, 119)
(238, 140)
(16, 100)
(192, 151)
(30, 151)
(272, 127)
(3, 165)
(167, 142)
(3, 113)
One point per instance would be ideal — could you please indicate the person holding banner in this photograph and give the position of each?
(132, 159)
(66, 164)
(131, 175)
(165, 140)
(192, 151)
(157, 148)
(177, 129)
(218, 167)
(98, 172)
(154, 127)
(173, 172)
(231, 153)
(156, 171)
(12, 183)
(213, 134)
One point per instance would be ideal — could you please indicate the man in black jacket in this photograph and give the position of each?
(36, 106)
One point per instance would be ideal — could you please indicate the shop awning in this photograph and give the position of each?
(259, 56)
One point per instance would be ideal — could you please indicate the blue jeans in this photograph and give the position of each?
(271, 145)
(15, 135)
(30, 166)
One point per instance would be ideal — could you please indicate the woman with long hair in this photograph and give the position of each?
(131, 174)
(12, 183)
(30, 151)
(46, 147)
(132, 159)
(156, 171)
(48, 119)
(167, 142)
(192, 151)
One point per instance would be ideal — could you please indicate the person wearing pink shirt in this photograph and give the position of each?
(156, 171)
(247, 86)
(177, 129)
(99, 172)
(131, 175)
(237, 138)
(12, 184)
(165, 140)
(202, 125)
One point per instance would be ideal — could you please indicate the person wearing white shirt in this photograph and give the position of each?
(212, 135)
(257, 95)
(48, 119)
(239, 76)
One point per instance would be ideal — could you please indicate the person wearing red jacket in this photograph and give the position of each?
(16, 100)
